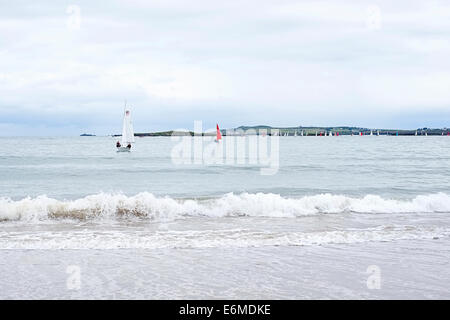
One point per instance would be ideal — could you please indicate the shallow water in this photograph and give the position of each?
(71, 168)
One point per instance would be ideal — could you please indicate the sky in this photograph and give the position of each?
(66, 67)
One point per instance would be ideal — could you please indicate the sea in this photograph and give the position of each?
(342, 217)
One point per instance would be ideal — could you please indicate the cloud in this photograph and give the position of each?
(237, 62)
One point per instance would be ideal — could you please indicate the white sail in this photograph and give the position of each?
(127, 130)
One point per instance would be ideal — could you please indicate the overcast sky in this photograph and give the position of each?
(67, 66)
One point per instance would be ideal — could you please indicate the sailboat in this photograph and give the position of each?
(218, 134)
(127, 132)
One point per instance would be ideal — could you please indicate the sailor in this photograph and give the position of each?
(118, 144)
(129, 146)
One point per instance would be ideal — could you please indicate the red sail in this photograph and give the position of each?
(219, 135)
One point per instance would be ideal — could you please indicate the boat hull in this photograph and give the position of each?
(123, 149)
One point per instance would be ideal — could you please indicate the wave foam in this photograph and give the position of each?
(113, 239)
(149, 206)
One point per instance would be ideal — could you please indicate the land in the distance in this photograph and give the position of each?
(307, 131)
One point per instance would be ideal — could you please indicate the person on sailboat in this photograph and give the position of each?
(218, 134)
(118, 145)
(127, 133)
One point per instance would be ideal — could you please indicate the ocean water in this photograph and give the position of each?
(341, 217)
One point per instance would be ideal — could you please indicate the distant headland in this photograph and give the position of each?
(306, 131)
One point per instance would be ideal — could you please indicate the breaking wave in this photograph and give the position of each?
(147, 205)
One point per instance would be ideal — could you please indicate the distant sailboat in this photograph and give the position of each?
(378, 132)
(415, 133)
(371, 132)
(127, 132)
(218, 134)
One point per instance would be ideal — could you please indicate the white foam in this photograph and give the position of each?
(165, 208)
(135, 239)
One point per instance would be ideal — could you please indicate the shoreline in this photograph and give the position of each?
(408, 270)
(302, 131)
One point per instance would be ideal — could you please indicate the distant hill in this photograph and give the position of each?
(309, 131)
